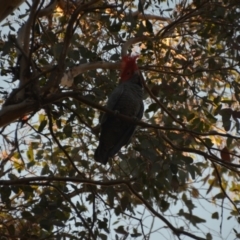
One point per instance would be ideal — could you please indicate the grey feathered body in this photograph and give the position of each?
(127, 99)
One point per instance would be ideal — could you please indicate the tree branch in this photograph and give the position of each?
(59, 144)
(223, 190)
(201, 153)
(34, 180)
(67, 79)
(24, 42)
(48, 9)
(57, 75)
(131, 41)
(7, 7)
(176, 231)
(75, 208)
(10, 113)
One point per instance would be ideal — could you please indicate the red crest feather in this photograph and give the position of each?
(128, 67)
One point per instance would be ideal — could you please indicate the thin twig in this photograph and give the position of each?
(223, 190)
(59, 144)
(75, 209)
(176, 231)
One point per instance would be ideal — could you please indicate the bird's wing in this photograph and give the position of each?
(115, 96)
(140, 112)
(127, 133)
(113, 100)
(132, 128)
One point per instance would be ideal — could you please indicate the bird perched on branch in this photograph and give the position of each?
(126, 99)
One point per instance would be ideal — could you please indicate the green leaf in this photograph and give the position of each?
(183, 176)
(67, 130)
(46, 224)
(115, 57)
(45, 170)
(74, 55)
(5, 192)
(208, 142)
(209, 236)
(103, 236)
(192, 218)
(174, 168)
(30, 153)
(215, 215)
(111, 194)
(191, 116)
(140, 6)
(226, 114)
(12, 28)
(218, 109)
(121, 230)
(135, 235)
(210, 117)
(7, 47)
(84, 52)
(115, 27)
(167, 9)
(27, 215)
(58, 223)
(188, 202)
(229, 142)
(12, 176)
(42, 125)
(191, 170)
(102, 224)
(219, 196)
(164, 205)
(57, 50)
(124, 202)
(49, 38)
(149, 26)
(152, 108)
(187, 160)
(109, 47)
(59, 123)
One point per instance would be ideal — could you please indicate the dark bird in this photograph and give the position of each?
(126, 99)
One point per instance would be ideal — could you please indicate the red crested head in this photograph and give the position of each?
(128, 67)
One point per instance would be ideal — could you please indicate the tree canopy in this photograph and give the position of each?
(179, 176)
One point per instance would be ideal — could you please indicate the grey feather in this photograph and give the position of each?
(127, 99)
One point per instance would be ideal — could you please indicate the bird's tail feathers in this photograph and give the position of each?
(101, 155)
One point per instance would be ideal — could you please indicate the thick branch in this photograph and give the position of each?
(67, 79)
(28, 27)
(35, 180)
(7, 7)
(24, 42)
(57, 75)
(10, 113)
